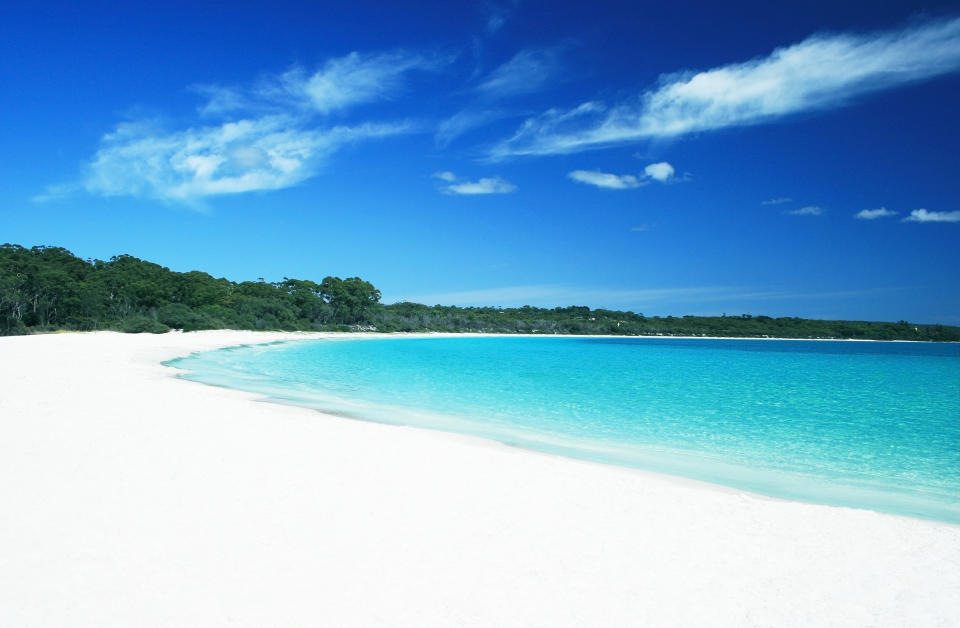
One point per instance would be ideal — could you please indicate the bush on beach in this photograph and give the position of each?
(138, 324)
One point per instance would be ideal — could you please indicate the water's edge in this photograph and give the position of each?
(674, 463)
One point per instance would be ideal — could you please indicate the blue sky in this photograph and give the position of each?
(697, 158)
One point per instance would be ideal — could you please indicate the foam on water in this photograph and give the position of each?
(870, 425)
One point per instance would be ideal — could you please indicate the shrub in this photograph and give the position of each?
(137, 324)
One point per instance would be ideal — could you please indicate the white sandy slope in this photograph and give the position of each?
(131, 498)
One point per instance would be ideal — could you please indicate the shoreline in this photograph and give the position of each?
(589, 455)
(477, 334)
(133, 498)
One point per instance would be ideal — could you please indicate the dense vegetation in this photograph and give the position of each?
(48, 288)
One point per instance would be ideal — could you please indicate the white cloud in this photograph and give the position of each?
(810, 210)
(269, 137)
(486, 185)
(358, 78)
(922, 215)
(526, 72)
(776, 201)
(605, 180)
(662, 171)
(821, 72)
(446, 175)
(873, 214)
(266, 153)
(342, 82)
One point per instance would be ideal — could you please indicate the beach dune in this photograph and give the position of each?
(129, 497)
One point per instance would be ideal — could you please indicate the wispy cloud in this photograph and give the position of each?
(810, 210)
(57, 192)
(462, 122)
(528, 71)
(485, 185)
(776, 201)
(221, 99)
(821, 72)
(873, 214)
(922, 215)
(361, 78)
(269, 135)
(446, 175)
(342, 82)
(266, 153)
(496, 18)
(605, 180)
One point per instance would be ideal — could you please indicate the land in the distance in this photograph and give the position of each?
(48, 289)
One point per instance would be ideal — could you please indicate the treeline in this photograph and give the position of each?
(583, 320)
(48, 288)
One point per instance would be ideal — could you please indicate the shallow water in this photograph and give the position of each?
(864, 424)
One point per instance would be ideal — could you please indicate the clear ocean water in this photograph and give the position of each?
(865, 424)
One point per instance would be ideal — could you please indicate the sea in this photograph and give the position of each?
(872, 425)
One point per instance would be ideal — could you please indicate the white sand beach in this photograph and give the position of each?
(131, 498)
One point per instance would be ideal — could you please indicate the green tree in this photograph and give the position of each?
(352, 299)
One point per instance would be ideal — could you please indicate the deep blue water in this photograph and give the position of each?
(864, 424)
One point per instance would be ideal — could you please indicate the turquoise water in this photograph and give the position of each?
(872, 425)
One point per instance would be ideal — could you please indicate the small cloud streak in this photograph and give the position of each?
(662, 172)
(873, 214)
(810, 210)
(922, 215)
(526, 72)
(462, 122)
(605, 180)
(446, 175)
(820, 72)
(485, 185)
(777, 201)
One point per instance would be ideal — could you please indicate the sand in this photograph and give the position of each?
(131, 498)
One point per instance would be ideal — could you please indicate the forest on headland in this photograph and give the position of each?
(46, 288)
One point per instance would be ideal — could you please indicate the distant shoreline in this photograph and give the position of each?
(133, 295)
(478, 334)
(502, 335)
